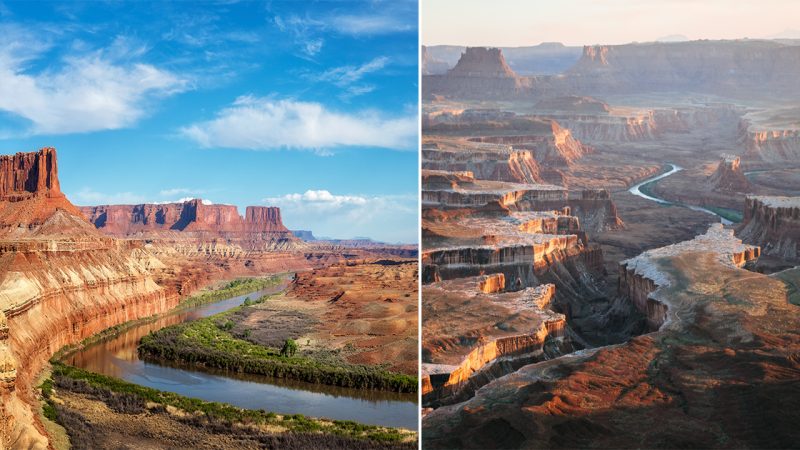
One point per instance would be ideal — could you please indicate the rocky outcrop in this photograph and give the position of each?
(729, 176)
(481, 62)
(480, 72)
(773, 223)
(34, 173)
(643, 280)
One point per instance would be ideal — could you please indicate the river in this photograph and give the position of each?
(635, 190)
(117, 357)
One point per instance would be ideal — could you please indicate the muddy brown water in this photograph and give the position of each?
(117, 357)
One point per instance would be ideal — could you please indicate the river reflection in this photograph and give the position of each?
(117, 357)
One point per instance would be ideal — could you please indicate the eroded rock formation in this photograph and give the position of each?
(729, 176)
(680, 386)
(773, 223)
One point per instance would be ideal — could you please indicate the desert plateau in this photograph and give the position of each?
(610, 245)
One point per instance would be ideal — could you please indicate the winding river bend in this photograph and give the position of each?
(117, 357)
(636, 190)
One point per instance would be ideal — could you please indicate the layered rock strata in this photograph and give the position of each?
(495, 162)
(464, 354)
(728, 341)
(773, 223)
(60, 282)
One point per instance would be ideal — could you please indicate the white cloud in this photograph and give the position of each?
(389, 218)
(89, 92)
(264, 123)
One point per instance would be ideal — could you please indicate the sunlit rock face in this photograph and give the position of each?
(60, 282)
(466, 353)
(194, 220)
(721, 322)
(773, 223)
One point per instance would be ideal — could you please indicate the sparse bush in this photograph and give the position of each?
(289, 348)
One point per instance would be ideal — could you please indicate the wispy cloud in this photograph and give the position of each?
(389, 218)
(259, 123)
(349, 77)
(356, 25)
(346, 75)
(101, 90)
(305, 31)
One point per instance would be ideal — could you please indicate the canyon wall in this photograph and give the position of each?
(645, 279)
(60, 282)
(773, 223)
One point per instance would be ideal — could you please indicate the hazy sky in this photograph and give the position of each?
(579, 22)
(310, 106)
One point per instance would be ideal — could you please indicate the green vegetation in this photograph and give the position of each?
(289, 348)
(231, 289)
(130, 397)
(208, 342)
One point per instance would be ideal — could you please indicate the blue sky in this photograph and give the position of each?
(310, 106)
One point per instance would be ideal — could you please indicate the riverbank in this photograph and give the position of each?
(92, 407)
(210, 342)
(646, 189)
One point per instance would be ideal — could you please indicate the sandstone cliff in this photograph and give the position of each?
(261, 228)
(773, 223)
(60, 282)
